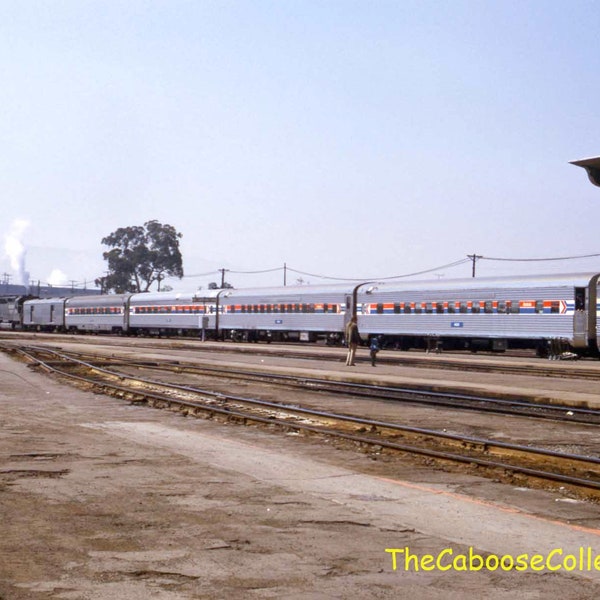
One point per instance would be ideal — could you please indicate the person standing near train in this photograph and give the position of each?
(374, 348)
(352, 339)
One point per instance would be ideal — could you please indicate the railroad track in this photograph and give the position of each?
(429, 396)
(580, 474)
(543, 368)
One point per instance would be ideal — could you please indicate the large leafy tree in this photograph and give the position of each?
(140, 256)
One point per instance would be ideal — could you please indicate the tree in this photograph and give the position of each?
(140, 256)
(213, 285)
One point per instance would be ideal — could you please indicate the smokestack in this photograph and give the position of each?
(15, 250)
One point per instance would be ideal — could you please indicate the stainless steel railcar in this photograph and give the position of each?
(44, 314)
(303, 313)
(485, 313)
(170, 313)
(98, 314)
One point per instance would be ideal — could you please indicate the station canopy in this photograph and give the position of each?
(592, 166)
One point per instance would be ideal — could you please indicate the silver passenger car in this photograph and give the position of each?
(302, 313)
(173, 313)
(485, 312)
(100, 314)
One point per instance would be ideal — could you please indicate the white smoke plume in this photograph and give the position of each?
(15, 250)
(57, 277)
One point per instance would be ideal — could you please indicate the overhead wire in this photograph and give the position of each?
(539, 259)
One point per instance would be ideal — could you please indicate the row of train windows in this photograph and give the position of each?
(145, 310)
(284, 308)
(487, 306)
(96, 310)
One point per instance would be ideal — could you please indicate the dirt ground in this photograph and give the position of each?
(100, 500)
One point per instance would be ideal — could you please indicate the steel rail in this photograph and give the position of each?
(486, 445)
(417, 395)
(433, 362)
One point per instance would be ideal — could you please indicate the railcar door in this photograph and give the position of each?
(580, 319)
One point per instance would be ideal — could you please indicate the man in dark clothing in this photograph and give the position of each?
(352, 339)
(374, 348)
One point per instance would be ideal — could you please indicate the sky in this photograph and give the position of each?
(348, 139)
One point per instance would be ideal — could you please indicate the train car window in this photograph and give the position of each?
(439, 307)
(304, 308)
(428, 307)
(488, 307)
(451, 307)
(262, 308)
(579, 298)
(502, 306)
(418, 308)
(407, 308)
(515, 307)
(463, 307)
(397, 308)
(380, 309)
(334, 308)
(232, 308)
(539, 306)
(325, 307)
(311, 308)
(475, 307)
(555, 306)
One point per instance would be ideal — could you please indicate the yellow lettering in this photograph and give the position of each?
(408, 557)
(536, 562)
(393, 552)
(522, 562)
(460, 563)
(438, 562)
(572, 560)
(472, 557)
(427, 563)
(558, 567)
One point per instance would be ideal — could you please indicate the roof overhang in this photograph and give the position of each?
(592, 166)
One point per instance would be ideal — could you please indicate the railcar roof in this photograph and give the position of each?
(97, 299)
(46, 300)
(563, 279)
(175, 296)
(292, 290)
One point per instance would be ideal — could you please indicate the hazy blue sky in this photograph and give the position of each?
(353, 139)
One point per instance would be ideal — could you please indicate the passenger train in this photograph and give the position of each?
(546, 313)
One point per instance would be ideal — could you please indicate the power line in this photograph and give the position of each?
(539, 259)
(447, 266)
(256, 272)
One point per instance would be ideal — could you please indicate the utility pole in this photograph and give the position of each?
(223, 277)
(474, 257)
